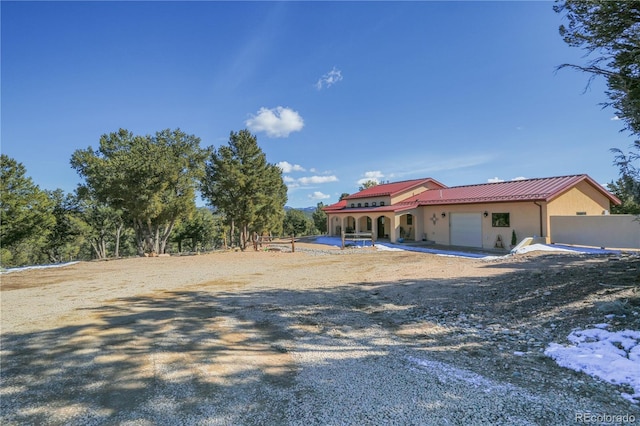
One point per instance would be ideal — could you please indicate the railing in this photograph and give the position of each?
(272, 242)
(357, 236)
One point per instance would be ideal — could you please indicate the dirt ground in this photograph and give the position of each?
(231, 318)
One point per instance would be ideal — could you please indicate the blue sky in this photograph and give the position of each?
(463, 92)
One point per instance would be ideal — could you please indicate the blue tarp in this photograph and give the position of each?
(335, 241)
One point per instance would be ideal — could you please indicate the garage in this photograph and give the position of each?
(466, 229)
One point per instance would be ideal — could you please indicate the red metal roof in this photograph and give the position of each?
(336, 206)
(342, 205)
(540, 189)
(390, 189)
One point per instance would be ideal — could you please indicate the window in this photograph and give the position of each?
(359, 204)
(581, 213)
(366, 204)
(352, 205)
(368, 224)
(373, 204)
(500, 220)
(382, 203)
(409, 219)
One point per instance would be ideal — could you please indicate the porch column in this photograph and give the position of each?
(395, 228)
(418, 224)
(374, 229)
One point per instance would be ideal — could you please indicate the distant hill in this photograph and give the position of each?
(308, 211)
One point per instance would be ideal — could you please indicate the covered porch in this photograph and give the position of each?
(393, 226)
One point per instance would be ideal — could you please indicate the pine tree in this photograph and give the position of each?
(244, 187)
(26, 215)
(151, 179)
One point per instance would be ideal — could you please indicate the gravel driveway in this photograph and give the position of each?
(310, 338)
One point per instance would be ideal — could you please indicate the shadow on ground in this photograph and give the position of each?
(221, 357)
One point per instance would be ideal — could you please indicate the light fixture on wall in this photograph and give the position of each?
(443, 214)
(486, 214)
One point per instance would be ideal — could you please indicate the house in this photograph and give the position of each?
(482, 215)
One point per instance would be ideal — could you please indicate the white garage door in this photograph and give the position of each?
(466, 229)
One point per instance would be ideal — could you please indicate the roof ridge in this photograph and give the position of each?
(401, 181)
(516, 180)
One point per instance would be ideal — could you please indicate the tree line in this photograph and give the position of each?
(138, 196)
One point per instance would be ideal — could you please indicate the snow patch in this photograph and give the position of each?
(27, 268)
(446, 372)
(610, 356)
(382, 247)
(540, 247)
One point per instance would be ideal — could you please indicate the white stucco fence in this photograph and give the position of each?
(611, 231)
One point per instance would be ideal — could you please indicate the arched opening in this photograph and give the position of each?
(336, 226)
(350, 224)
(407, 227)
(365, 224)
(383, 226)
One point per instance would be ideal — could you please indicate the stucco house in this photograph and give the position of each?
(482, 215)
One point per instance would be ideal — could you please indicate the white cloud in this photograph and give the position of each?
(288, 179)
(329, 79)
(287, 167)
(497, 179)
(317, 195)
(276, 122)
(317, 179)
(374, 175)
(615, 118)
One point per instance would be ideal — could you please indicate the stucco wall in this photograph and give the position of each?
(524, 219)
(410, 193)
(613, 231)
(370, 201)
(581, 198)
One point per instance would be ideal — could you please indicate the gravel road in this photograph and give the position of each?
(305, 338)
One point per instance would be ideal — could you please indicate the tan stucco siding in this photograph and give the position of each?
(581, 198)
(396, 198)
(524, 218)
(368, 202)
